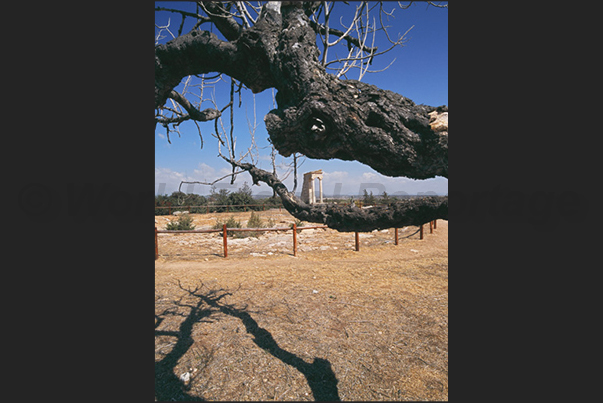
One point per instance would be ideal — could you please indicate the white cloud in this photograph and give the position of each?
(369, 176)
(205, 172)
(167, 173)
(335, 176)
(167, 180)
(224, 171)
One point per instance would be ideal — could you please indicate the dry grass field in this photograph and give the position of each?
(329, 324)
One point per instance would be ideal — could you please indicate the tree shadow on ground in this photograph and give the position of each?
(319, 374)
(168, 387)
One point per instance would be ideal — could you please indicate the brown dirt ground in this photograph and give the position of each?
(331, 323)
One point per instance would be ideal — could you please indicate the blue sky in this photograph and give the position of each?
(420, 72)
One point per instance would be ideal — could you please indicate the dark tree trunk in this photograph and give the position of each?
(323, 117)
(247, 59)
(351, 120)
(318, 115)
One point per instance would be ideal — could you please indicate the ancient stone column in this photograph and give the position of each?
(320, 188)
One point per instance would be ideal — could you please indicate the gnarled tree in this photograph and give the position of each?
(318, 114)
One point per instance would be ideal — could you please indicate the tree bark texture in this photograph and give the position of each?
(324, 117)
(318, 114)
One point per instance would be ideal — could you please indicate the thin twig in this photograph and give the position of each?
(209, 183)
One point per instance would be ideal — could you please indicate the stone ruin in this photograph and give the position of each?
(308, 194)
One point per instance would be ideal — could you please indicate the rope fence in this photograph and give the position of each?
(294, 229)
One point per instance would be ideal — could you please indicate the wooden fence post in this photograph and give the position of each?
(225, 241)
(294, 239)
(435, 224)
(396, 236)
(431, 227)
(357, 242)
(156, 249)
(169, 208)
(421, 237)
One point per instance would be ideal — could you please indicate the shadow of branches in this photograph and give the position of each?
(319, 374)
(168, 387)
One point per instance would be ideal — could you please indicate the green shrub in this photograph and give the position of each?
(368, 199)
(230, 223)
(255, 221)
(183, 222)
(241, 197)
(219, 198)
(179, 201)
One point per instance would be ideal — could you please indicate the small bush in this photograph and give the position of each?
(230, 223)
(255, 221)
(298, 223)
(368, 199)
(184, 222)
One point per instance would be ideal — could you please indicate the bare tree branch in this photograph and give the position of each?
(185, 13)
(194, 113)
(223, 20)
(246, 59)
(429, 3)
(165, 120)
(245, 16)
(209, 183)
(414, 211)
(350, 39)
(166, 27)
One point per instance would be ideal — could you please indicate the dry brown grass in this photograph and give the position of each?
(253, 328)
